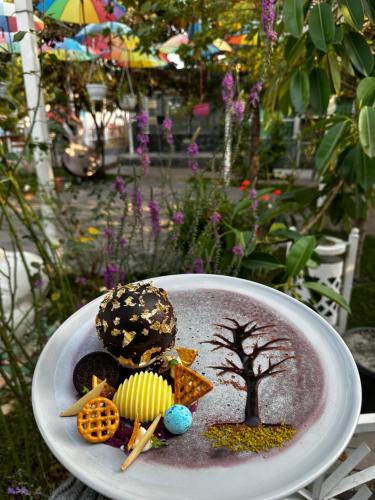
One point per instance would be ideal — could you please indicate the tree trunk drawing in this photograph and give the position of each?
(250, 371)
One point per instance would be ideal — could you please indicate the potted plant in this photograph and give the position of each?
(97, 88)
(127, 102)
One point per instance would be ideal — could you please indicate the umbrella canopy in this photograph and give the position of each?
(242, 39)
(81, 11)
(8, 19)
(70, 50)
(172, 45)
(112, 41)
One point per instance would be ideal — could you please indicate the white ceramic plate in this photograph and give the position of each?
(318, 443)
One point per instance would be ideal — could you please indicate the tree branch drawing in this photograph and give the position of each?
(250, 370)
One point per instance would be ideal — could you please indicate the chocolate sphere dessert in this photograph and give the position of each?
(136, 323)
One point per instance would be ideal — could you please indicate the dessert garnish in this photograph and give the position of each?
(189, 385)
(98, 420)
(141, 444)
(178, 419)
(133, 437)
(98, 363)
(77, 406)
(107, 392)
(145, 394)
(187, 356)
(136, 323)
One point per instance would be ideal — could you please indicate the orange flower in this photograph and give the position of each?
(276, 192)
(265, 197)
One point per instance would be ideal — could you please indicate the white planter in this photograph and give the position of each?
(330, 273)
(128, 102)
(97, 91)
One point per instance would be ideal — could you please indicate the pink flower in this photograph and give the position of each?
(119, 185)
(167, 131)
(268, 19)
(238, 250)
(215, 218)
(178, 218)
(265, 197)
(155, 217)
(238, 109)
(254, 96)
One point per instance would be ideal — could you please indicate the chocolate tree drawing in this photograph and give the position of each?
(250, 371)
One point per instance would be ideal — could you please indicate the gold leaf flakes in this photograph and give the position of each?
(146, 356)
(128, 337)
(134, 317)
(156, 325)
(115, 305)
(98, 321)
(129, 302)
(120, 292)
(144, 331)
(116, 321)
(115, 332)
(105, 325)
(133, 286)
(127, 362)
(147, 315)
(141, 301)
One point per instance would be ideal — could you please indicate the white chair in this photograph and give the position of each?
(343, 477)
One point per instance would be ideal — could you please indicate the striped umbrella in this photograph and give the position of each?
(82, 11)
(70, 50)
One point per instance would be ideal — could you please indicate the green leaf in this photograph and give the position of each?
(299, 90)
(359, 52)
(334, 70)
(260, 260)
(366, 91)
(364, 168)
(366, 127)
(327, 147)
(321, 26)
(327, 292)
(299, 254)
(241, 205)
(293, 17)
(319, 90)
(353, 13)
(370, 10)
(19, 36)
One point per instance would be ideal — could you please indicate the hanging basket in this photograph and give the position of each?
(201, 110)
(97, 91)
(128, 102)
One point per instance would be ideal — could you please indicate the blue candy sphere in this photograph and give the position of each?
(178, 419)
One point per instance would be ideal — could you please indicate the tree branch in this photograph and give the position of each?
(271, 366)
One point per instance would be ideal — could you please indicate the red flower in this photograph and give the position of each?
(265, 197)
(276, 192)
(245, 184)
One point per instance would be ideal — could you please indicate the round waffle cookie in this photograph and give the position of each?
(98, 420)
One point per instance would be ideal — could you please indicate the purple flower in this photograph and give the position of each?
(238, 250)
(38, 283)
(254, 96)
(155, 217)
(143, 140)
(193, 149)
(112, 274)
(142, 119)
(18, 491)
(178, 218)
(198, 266)
(268, 19)
(81, 280)
(227, 88)
(254, 206)
(123, 241)
(119, 185)
(215, 218)
(253, 193)
(137, 201)
(238, 109)
(108, 232)
(167, 131)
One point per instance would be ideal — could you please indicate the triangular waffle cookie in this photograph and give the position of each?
(187, 356)
(189, 385)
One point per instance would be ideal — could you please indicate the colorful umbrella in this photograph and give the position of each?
(107, 37)
(8, 19)
(172, 45)
(82, 11)
(70, 50)
(112, 41)
(242, 39)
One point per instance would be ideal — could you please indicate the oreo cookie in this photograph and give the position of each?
(98, 363)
